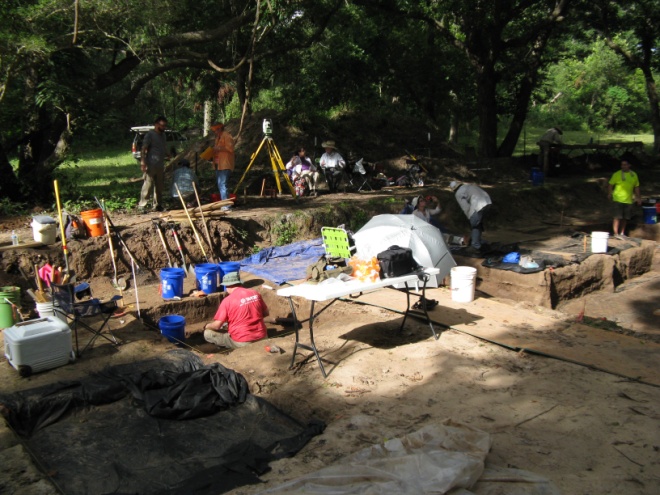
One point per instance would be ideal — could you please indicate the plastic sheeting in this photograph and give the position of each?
(116, 432)
(438, 459)
(281, 264)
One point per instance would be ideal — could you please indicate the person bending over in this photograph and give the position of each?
(475, 203)
(243, 310)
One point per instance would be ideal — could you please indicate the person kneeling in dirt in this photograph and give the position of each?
(243, 310)
(475, 203)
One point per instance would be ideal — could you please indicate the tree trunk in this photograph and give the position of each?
(652, 94)
(487, 105)
(208, 106)
(10, 187)
(508, 145)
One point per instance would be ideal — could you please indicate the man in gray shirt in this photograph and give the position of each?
(152, 164)
(475, 203)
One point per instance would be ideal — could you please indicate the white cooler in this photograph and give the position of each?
(38, 345)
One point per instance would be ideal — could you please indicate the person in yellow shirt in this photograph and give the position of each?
(622, 185)
(223, 159)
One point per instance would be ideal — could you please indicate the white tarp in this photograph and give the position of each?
(425, 240)
(438, 459)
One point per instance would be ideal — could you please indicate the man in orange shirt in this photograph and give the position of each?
(223, 159)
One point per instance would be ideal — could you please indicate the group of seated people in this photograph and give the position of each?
(300, 168)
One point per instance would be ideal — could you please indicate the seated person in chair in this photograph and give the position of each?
(307, 170)
(333, 165)
(243, 310)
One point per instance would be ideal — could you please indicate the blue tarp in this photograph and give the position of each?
(281, 264)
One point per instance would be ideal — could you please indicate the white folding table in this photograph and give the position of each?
(331, 291)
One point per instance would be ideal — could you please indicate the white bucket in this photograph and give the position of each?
(44, 230)
(599, 242)
(462, 283)
(45, 309)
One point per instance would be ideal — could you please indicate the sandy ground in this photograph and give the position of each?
(588, 431)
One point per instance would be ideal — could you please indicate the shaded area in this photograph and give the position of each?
(111, 433)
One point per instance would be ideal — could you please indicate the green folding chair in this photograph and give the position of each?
(336, 242)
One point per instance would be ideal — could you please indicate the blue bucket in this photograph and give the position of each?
(538, 177)
(173, 327)
(650, 214)
(172, 282)
(207, 277)
(228, 267)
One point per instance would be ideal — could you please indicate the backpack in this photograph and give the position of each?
(74, 227)
(396, 261)
(326, 268)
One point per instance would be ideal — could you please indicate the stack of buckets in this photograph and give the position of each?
(651, 210)
(208, 278)
(171, 282)
(8, 315)
(93, 220)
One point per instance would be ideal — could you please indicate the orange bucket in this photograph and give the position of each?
(93, 220)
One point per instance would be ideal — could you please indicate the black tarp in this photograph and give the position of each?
(167, 425)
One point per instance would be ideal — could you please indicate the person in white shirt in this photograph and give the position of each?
(332, 164)
(421, 208)
(475, 203)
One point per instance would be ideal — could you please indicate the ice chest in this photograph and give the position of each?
(38, 345)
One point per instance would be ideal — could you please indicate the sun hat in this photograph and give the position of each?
(329, 144)
(231, 278)
(453, 185)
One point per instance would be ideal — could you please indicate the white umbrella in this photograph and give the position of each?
(425, 240)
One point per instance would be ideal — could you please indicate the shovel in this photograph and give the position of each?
(186, 269)
(117, 283)
(194, 229)
(162, 240)
(206, 228)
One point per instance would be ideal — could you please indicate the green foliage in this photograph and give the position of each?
(593, 90)
(10, 208)
(357, 220)
(286, 232)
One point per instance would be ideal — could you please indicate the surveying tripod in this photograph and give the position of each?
(275, 162)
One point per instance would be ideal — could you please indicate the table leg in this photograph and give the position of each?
(312, 346)
(426, 313)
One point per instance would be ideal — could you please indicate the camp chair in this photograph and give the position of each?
(337, 243)
(358, 177)
(91, 314)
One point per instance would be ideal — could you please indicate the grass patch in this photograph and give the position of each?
(108, 174)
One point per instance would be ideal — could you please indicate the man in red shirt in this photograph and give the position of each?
(243, 310)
